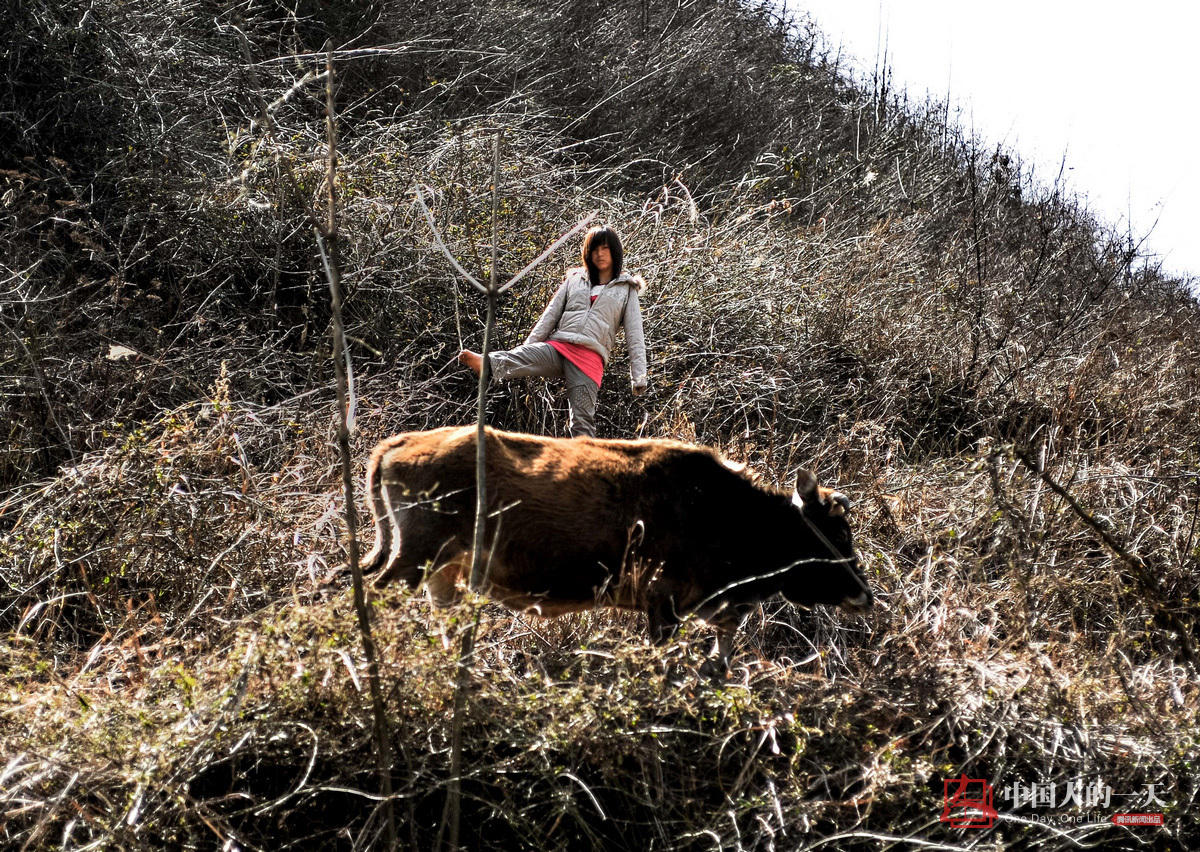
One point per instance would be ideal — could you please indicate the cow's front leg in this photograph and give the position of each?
(727, 625)
(662, 619)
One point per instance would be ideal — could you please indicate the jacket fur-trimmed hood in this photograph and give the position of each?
(635, 281)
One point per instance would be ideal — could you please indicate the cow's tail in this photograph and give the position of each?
(378, 555)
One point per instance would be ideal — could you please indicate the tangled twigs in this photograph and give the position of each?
(1147, 579)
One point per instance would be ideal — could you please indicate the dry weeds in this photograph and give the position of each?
(849, 285)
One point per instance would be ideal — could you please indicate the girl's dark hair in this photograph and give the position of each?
(602, 235)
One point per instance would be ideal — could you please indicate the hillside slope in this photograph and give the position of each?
(838, 280)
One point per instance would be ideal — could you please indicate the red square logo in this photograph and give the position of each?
(967, 803)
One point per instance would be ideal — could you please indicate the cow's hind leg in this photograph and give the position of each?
(443, 584)
(422, 535)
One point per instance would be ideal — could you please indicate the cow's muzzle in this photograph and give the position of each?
(859, 603)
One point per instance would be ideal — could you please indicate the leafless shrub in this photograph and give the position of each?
(849, 285)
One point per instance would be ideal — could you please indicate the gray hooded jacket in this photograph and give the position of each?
(572, 318)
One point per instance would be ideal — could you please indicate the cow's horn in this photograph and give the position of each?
(841, 504)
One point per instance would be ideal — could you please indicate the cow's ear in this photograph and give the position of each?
(806, 488)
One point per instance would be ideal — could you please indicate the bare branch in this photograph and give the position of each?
(583, 223)
(327, 236)
(437, 236)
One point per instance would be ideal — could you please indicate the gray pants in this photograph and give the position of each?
(542, 359)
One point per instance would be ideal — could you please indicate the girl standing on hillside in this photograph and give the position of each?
(577, 331)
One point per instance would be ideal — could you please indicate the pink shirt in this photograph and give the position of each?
(585, 359)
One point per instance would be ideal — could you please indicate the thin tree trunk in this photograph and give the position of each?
(327, 242)
(452, 814)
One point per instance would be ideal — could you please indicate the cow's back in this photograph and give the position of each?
(423, 460)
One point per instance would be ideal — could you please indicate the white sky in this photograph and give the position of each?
(1110, 86)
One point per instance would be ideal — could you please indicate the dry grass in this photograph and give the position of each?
(249, 723)
(848, 285)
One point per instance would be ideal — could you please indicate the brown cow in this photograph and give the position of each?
(663, 527)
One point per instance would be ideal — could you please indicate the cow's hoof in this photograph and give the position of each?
(330, 583)
(678, 675)
(332, 576)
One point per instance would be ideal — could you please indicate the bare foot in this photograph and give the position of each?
(472, 360)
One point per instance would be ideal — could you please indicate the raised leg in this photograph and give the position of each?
(532, 359)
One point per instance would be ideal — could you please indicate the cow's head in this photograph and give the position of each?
(828, 571)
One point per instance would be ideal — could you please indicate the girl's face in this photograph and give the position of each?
(602, 258)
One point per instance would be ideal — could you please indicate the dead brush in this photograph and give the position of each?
(838, 280)
(172, 531)
(597, 735)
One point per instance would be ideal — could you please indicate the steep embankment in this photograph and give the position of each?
(838, 280)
